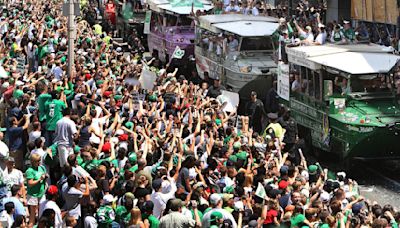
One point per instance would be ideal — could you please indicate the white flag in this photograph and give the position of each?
(260, 192)
(178, 53)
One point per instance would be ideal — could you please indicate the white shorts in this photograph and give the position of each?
(33, 201)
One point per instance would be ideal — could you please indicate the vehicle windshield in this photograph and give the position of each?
(371, 83)
(256, 44)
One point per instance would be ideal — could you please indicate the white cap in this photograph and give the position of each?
(346, 22)
(107, 199)
(5, 85)
(321, 25)
(215, 198)
(325, 197)
(19, 83)
(119, 49)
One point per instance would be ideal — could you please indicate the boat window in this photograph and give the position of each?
(371, 83)
(317, 85)
(256, 44)
(211, 44)
(156, 23)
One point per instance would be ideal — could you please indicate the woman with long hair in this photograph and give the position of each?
(136, 219)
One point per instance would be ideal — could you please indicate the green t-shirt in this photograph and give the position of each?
(35, 174)
(154, 222)
(51, 161)
(41, 101)
(105, 216)
(198, 212)
(346, 214)
(350, 34)
(53, 113)
(297, 220)
(122, 216)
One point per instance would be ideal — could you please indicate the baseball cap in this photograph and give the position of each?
(312, 169)
(52, 190)
(356, 208)
(283, 184)
(106, 147)
(148, 206)
(214, 198)
(3, 129)
(108, 199)
(215, 215)
(123, 137)
(284, 170)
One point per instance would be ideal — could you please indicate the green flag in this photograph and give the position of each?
(127, 11)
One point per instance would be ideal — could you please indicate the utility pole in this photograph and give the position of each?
(71, 36)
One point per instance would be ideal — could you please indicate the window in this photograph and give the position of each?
(257, 44)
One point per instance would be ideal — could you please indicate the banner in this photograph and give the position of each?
(147, 20)
(147, 79)
(229, 100)
(283, 81)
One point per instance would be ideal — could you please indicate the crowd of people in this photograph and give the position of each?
(90, 148)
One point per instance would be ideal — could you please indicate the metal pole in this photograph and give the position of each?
(71, 37)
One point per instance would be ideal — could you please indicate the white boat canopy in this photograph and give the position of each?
(351, 59)
(357, 63)
(183, 10)
(166, 6)
(242, 25)
(249, 28)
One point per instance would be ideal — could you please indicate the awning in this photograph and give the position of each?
(357, 62)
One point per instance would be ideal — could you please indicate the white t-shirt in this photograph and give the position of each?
(6, 220)
(255, 11)
(90, 222)
(14, 177)
(321, 38)
(49, 204)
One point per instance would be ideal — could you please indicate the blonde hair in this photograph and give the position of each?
(248, 180)
(136, 216)
(35, 157)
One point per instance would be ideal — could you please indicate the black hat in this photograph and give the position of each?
(148, 206)
(272, 116)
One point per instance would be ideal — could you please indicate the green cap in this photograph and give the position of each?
(118, 97)
(77, 149)
(18, 93)
(99, 82)
(3, 129)
(132, 157)
(233, 158)
(63, 59)
(242, 155)
(129, 125)
(312, 169)
(237, 145)
(218, 122)
(153, 98)
(229, 189)
(215, 215)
